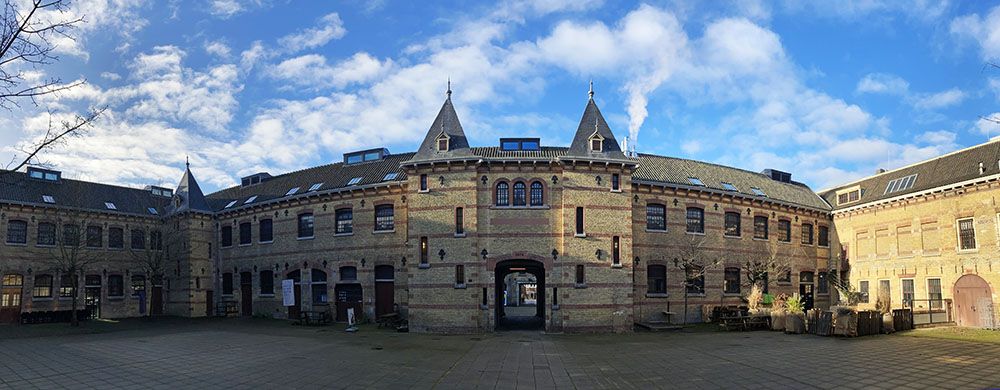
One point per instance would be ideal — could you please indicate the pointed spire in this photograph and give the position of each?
(591, 93)
(447, 123)
(187, 162)
(593, 122)
(449, 88)
(189, 196)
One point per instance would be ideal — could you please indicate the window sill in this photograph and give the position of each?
(543, 207)
(824, 246)
(459, 235)
(656, 230)
(967, 251)
(784, 242)
(118, 298)
(424, 265)
(343, 234)
(390, 231)
(580, 285)
(41, 299)
(243, 245)
(733, 237)
(116, 249)
(806, 244)
(306, 238)
(732, 294)
(224, 247)
(45, 246)
(17, 244)
(760, 239)
(266, 295)
(618, 190)
(460, 286)
(266, 242)
(657, 295)
(618, 265)
(580, 235)
(423, 191)
(695, 233)
(696, 295)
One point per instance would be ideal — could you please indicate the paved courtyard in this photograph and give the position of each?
(234, 353)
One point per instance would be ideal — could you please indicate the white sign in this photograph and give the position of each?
(288, 292)
(350, 316)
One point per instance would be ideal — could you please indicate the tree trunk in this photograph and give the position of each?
(685, 306)
(73, 319)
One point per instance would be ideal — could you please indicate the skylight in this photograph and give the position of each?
(757, 191)
(230, 204)
(292, 191)
(315, 187)
(696, 181)
(110, 206)
(729, 186)
(390, 176)
(152, 211)
(250, 199)
(48, 199)
(901, 184)
(354, 181)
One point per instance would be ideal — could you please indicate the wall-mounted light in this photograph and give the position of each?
(555, 179)
(286, 265)
(441, 180)
(324, 263)
(484, 253)
(404, 198)
(748, 211)
(29, 270)
(484, 179)
(636, 261)
(555, 254)
(675, 202)
(716, 206)
(598, 253)
(362, 203)
(441, 254)
(275, 267)
(635, 198)
(597, 179)
(363, 262)
(324, 207)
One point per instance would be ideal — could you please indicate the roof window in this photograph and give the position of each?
(900, 184)
(110, 206)
(315, 187)
(152, 210)
(729, 186)
(250, 199)
(696, 181)
(510, 144)
(231, 204)
(44, 174)
(48, 199)
(757, 191)
(256, 178)
(365, 156)
(292, 191)
(354, 181)
(390, 176)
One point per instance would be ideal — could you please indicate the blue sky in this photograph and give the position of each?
(828, 91)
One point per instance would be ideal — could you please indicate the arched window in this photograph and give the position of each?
(17, 232)
(537, 196)
(319, 294)
(519, 196)
(695, 220)
(656, 276)
(503, 194)
(656, 217)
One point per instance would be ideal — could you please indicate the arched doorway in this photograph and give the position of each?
(520, 299)
(974, 302)
(349, 293)
(384, 289)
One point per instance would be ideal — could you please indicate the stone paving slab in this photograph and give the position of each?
(268, 354)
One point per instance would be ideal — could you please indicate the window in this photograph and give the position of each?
(807, 234)
(71, 235)
(245, 235)
(152, 211)
(760, 227)
(934, 293)
(824, 236)
(315, 186)
(732, 224)
(459, 221)
(442, 143)
(305, 225)
(95, 237)
(863, 291)
(459, 275)
(580, 280)
(385, 219)
(537, 194)
(966, 234)
(227, 283)
(695, 220)
(822, 283)
(696, 181)
(46, 233)
(390, 176)
(227, 236)
(849, 196)
(579, 221)
(616, 182)
(11, 291)
(732, 280)
(348, 274)
(319, 292)
(616, 251)
(656, 279)
(354, 181)
(48, 199)
(66, 286)
(138, 285)
(805, 277)
(384, 273)
(694, 280)
(901, 184)
(784, 230)
(510, 145)
(43, 286)
(785, 277)
(423, 182)
(231, 204)
(758, 191)
(116, 238)
(729, 186)
(292, 191)
(266, 282)
(345, 221)
(884, 290)
(265, 230)
(907, 292)
(424, 251)
(502, 194)
(139, 239)
(596, 144)
(110, 206)
(656, 217)
(116, 286)
(17, 232)
(250, 199)
(519, 196)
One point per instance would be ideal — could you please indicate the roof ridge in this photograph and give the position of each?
(712, 163)
(61, 178)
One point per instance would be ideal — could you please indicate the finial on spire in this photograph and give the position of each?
(187, 161)
(449, 87)
(591, 93)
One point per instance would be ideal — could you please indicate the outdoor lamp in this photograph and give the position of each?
(484, 253)
(555, 254)
(441, 254)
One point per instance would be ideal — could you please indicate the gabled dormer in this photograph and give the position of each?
(596, 142)
(443, 141)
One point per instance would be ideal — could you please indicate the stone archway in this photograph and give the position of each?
(521, 322)
(974, 302)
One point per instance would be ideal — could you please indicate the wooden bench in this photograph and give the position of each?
(315, 317)
(392, 320)
(227, 308)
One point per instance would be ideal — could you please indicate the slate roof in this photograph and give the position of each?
(17, 187)
(190, 195)
(333, 176)
(448, 123)
(495, 153)
(591, 122)
(948, 169)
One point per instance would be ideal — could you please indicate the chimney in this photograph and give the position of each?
(879, 171)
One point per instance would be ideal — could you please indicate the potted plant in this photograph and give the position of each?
(883, 304)
(795, 317)
(778, 312)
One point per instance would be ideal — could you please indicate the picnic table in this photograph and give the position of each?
(315, 317)
(227, 308)
(745, 322)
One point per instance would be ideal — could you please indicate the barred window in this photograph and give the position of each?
(66, 288)
(695, 220)
(537, 196)
(732, 280)
(784, 230)
(227, 236)
(43, 287)
(459, 221)
(966, 234)
(71, 235)
(519, 199)
(385, 218)
(345, 221)
(116, 238)
(17, 232)
(266, 230)
(807, 234)
(694, 279)
(616, 182)
(760, 227)
(245, 235)
(934, 293)
(656, 217)
(656, 276)
(95, 237)
(732, 222)
(305, 226)
(503, 194)
(580, 274)
(46, 233)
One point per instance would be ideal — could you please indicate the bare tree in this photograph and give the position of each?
(70, 256)
(695, 260)
(28, 33)
(166, 246)
(764, 264)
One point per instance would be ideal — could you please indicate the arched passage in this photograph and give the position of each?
(516, 297)
(974, 302)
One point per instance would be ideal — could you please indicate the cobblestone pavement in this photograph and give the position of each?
(236, 353)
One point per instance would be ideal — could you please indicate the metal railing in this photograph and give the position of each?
(930, 311)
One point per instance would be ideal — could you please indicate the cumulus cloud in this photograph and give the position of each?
(883, 83)
(939, 100)
(329, 28)
(312, 70)
(983, 30)
(217, 48)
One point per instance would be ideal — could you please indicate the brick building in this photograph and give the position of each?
(610, 238)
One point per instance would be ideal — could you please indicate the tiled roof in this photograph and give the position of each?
(332, 176)
(677, 171)
(591, 122)
(446, 122)
(544, 153)
(951, 168)
(18, 188)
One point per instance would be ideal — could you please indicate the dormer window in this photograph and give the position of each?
(43, 174)
(596, 143)
(442, 142)
(110, 206)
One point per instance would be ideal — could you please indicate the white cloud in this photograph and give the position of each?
(330, 27)
(110, 76)
(867, 10)
(940, 137)
(939, 100)
(217, 48)
(692, 147)
(100, 16)
(312, 70)
(984, 30)
(225, 9)
(988, 125)
(883, 83)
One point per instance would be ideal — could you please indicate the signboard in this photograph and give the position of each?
(350, 316)
(288, 292)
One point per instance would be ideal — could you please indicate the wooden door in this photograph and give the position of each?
(156, 301)
(348, 296)
(10, 298)
(973, 302)
(806, 293)
(384, 297)
(246, 299)
(209, 303)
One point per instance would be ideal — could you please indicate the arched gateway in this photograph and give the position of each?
(974, 302)
(520, 301)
